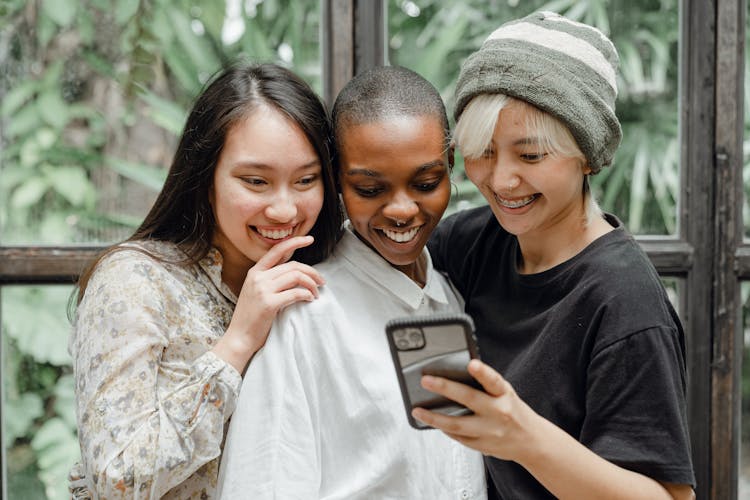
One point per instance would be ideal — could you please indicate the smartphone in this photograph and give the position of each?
(440, 345)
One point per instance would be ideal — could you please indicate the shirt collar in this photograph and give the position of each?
(369, 262)
(212, 264)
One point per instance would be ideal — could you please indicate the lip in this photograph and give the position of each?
(517, 204)
(274, 234)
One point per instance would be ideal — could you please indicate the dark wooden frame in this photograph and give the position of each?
(709, 255)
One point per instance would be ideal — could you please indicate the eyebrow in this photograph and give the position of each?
(265, 166)
(372, 173)
(527, 140)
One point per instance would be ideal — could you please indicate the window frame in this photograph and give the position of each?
(709, 254)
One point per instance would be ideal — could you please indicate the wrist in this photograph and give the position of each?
(539, 435)
(236, 349)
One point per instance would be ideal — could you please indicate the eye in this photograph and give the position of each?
(308, 179)
(533, 157)
(428, 185)
(488, 153)
(368, 191)
(254, 181)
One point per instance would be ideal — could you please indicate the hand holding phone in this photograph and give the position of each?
(439, 345)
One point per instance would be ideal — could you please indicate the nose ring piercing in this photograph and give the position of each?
(399, 223)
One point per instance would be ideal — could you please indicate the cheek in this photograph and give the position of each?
(440, 198)
(312, 201)
(356, 207)
(474, 169)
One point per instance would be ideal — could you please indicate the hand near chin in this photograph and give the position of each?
(502, 423)
(271, 284)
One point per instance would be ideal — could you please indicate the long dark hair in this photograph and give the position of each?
(182, 213)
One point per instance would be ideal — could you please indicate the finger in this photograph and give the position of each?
(293, 266)
(454, 426)
(291, 296)
(282, 252)
(475, 442)
(294, 279)
(455, 391)
(492, 382)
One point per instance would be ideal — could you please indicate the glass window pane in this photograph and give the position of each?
(642, 187)
(743, 486)
(39, 424)
(92, 99)
(746, 142)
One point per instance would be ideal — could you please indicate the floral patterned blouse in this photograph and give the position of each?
(153, 401)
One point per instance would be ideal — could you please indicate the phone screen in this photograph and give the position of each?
(440, 345)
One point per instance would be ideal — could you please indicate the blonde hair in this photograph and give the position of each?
(476, 127)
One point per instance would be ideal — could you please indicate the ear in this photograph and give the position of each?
(585, 167)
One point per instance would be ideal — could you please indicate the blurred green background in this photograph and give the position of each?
(94, 93)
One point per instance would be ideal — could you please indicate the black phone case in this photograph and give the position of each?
(446, 346)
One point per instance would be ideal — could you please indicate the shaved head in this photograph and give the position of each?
(386, 92)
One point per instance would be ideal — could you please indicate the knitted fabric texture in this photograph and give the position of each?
(565, 68)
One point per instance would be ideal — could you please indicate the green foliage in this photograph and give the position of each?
(39, 422)
(96, 92)
(434, 37)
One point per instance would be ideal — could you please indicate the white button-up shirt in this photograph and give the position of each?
(320, 413)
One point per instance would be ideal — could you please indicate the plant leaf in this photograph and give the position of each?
(62, 12)
(71, 183)
(29, 193)
(125, 9)
(39, 324)
(57, 450)
(19, 414)
(65, 400)
(151, 177)
(52, 109)
(164, 113)
(17, 97)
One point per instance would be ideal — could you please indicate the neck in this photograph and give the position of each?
(233, 280)
(234, 269)
(552, 245)
(416, 271)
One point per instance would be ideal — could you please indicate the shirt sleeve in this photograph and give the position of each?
(635, 411)
(139, 437)
(272, 446)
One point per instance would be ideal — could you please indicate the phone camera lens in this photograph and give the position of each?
(402, 343)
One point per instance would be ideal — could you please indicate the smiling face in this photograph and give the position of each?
(267, 187)
(529, 190)
(395, 184)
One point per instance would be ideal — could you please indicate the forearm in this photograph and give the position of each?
(569, 470)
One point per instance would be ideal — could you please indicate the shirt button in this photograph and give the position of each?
(464, 494)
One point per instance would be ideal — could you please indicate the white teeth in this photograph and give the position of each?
(275, 234)
(515, 203)
(402, 236)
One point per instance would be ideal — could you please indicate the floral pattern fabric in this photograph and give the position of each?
(152, 400)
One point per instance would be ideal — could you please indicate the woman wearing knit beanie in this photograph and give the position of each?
(583, 355)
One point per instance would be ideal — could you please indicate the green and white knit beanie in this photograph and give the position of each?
(565, 68)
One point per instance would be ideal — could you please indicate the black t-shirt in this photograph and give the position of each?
(593, 345)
